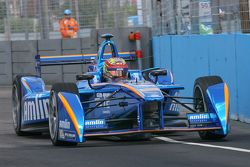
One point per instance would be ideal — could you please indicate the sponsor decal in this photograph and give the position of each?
(35, 109)
(100, 96)
(67, 135)
(64, 124)
(95, 124)
(199, 118)
(70, 135)
(61, 134)
(174, 107)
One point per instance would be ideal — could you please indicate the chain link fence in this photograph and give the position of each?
(39, 19)
(200, 16)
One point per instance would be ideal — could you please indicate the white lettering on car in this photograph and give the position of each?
(35, 109)
(100, 96)
(64, 124)
(199, 116)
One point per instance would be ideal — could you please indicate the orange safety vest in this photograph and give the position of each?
(68, 28)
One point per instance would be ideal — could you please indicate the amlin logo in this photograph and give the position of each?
(95, 124)
(198, 117)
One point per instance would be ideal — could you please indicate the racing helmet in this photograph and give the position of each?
(115, 67)
(67, 12)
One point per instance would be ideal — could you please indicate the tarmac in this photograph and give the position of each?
(173, 149)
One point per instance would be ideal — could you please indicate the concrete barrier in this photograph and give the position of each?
(5, 63)
(225, 55)
(18, 57)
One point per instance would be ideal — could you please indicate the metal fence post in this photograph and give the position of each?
(44, 19)
(100, 11)
(25, 10)
(77, 15)
(7, 21)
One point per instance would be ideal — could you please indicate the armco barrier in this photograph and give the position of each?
(225, 55)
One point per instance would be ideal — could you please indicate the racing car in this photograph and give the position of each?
(142, 104)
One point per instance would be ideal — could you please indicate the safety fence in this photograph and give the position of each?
(200, 16)
(39, 19)
(193, 56)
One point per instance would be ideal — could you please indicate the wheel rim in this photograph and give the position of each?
(53, 116)
(16, 107)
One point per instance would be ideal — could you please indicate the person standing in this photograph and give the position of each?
(68, 25)
(229, 16)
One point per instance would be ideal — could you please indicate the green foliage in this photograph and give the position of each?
(1, 26)
(2, 10)
(131, 10)
(20, 24)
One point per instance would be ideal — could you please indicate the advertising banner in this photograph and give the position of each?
(205, 17)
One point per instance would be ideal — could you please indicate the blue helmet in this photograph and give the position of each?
(67, 12)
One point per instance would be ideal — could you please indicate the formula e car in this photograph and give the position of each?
(146, 103)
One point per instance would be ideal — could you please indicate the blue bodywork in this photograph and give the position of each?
(134, 105)
(219, 105)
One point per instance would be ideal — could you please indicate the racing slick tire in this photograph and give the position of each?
(53, 112)
(17, 105)
(200, 86)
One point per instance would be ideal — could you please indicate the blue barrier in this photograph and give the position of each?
(228, 56)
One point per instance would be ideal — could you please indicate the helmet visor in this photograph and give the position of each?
(118, 73)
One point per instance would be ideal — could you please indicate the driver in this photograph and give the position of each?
(115, 69)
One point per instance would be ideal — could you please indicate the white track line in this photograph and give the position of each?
(203, 145)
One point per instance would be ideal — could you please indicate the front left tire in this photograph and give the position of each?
(200, 86)
(54, 113)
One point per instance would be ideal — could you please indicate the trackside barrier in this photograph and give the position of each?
(225, 55)
(18, 57)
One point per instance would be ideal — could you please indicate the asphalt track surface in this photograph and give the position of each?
(172, 150)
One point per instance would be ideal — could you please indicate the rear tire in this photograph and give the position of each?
(53, 111)
(17, 105)
(200, 86)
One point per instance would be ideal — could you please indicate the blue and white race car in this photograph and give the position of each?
(144, 104)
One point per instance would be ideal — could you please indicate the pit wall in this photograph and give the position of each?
(228, 56)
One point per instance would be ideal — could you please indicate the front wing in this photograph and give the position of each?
(74, 127)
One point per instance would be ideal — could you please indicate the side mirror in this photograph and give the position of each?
(84, 77)
(87, 77)
(160, 72)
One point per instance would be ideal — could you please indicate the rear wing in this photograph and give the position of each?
(69, 59)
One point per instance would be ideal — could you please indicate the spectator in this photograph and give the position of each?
(68, 25)
(229, 17)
